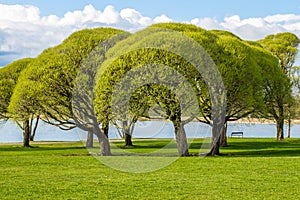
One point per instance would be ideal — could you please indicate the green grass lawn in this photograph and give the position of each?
(249, 169)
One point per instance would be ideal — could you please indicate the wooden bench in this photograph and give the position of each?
(237, 134)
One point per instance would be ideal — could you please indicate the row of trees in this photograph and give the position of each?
(82, 82)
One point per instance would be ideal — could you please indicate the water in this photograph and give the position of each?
(10, 132)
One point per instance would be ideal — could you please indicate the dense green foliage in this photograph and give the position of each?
(284, 47)
(241, 64)
(49, 79)
(254, 169)
(46, 87)
(8, 80)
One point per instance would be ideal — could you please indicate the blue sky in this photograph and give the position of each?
(33, 25)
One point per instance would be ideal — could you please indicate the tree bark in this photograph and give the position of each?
(280, 123)
(26, 133)
(127, 134)
(289, 129)
(103, 139)
(289, 123)
(217, 130)
(128, 140)
(223, 137)
(181, 140)
(34, 129)
(215, 145)
(90, 140)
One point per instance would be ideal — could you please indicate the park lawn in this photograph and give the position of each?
(249, 169)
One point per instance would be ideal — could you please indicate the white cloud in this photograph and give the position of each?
(162, 19)
(19, 13)
(134, 17)
(251, 28)
(282, 18)
(24, 32)
(207, 23)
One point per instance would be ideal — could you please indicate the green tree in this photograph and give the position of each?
(153, 58)
(240, 63)
(245, 69)
(241, 75)
(284, 47)
(49, 81)
(240, 67)
(111, 74)
(9, 78)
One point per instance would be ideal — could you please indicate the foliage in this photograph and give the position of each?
(46, 86)
(284, 47)
(8, 79)
(241, 65)
(150, 66)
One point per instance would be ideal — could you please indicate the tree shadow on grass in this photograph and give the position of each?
(237, 147)
(267, 153)
(36, 147)
(263, 148)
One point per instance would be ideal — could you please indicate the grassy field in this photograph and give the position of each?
(250, 169)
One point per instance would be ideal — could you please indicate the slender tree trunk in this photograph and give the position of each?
(34, 128)
(26, 133)
(223, 137)
(280, 123)
(181, 140)
(127, 134)
(289, 129)
(90, 140)
(289, 123)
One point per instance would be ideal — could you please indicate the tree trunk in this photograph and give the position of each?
(104, 145)
(26, 133)
(215, 144)
(128, 140)
(223, 137)
(90, 140)
(127, 134)
(181, 140)
(280, 123)
(217, 130)
(103, 140)
(34, 129)
(289, 124)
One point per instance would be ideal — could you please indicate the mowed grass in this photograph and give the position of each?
(249, 169)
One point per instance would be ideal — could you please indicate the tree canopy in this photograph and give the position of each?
(49, 79)
(9, 76)
(241, 65)
(46, 86)
(284, 47)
